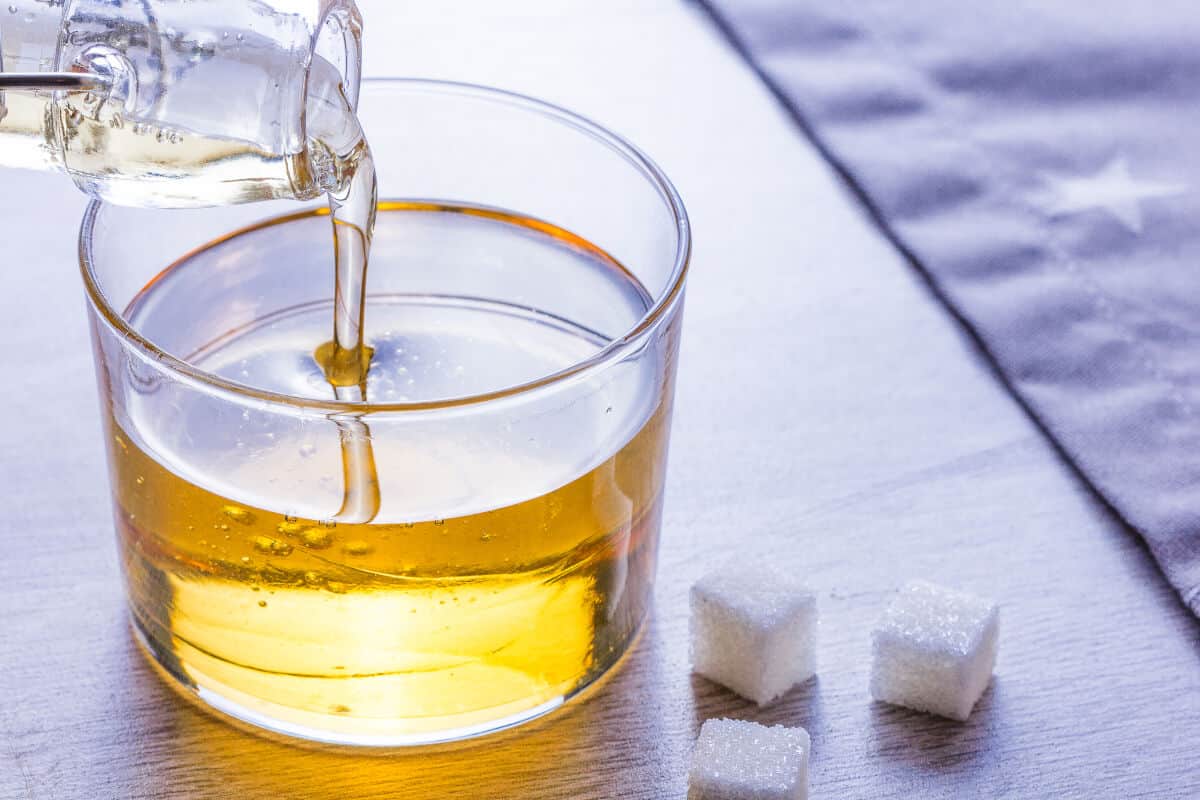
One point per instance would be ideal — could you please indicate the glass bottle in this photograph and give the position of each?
(174, 104)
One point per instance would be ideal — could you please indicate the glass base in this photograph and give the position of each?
(207, 695)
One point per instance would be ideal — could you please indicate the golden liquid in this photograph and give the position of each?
(355, 630)
(391, 629)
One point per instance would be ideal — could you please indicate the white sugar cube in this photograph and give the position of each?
(737, 760)
(934, 649)
(753, 630)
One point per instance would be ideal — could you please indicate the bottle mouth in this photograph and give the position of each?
(336, 57)
(619, 348)
(338, 40)
(333, 136)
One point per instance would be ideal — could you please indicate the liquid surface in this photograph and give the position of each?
(491, 583)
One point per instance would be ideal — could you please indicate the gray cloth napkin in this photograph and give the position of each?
(1040, 162)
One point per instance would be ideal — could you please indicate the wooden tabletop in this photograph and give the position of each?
(831, 417)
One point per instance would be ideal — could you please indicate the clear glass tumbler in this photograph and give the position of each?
(524, 304)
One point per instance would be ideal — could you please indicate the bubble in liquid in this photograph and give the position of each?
(272, 547)
(238, 514)
(139, 480)
(486, 537)
(262, 603)
(313, 579)
(307, 449)
(357, 547)
(12, 9)
(316, 538)
(290, 528)
(336, 587)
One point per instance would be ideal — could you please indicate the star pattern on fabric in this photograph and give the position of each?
(1112, 189)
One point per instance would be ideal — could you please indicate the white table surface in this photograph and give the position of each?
(831, 416)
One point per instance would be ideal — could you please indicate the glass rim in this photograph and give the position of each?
(615, 350)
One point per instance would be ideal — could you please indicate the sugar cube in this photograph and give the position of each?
(934, 649)
(754, 630)
(738, 760)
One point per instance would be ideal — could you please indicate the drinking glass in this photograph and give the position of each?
(524, 301)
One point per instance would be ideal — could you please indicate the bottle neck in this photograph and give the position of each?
(202, 90)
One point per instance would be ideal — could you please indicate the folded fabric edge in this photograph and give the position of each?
(1189, 596)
